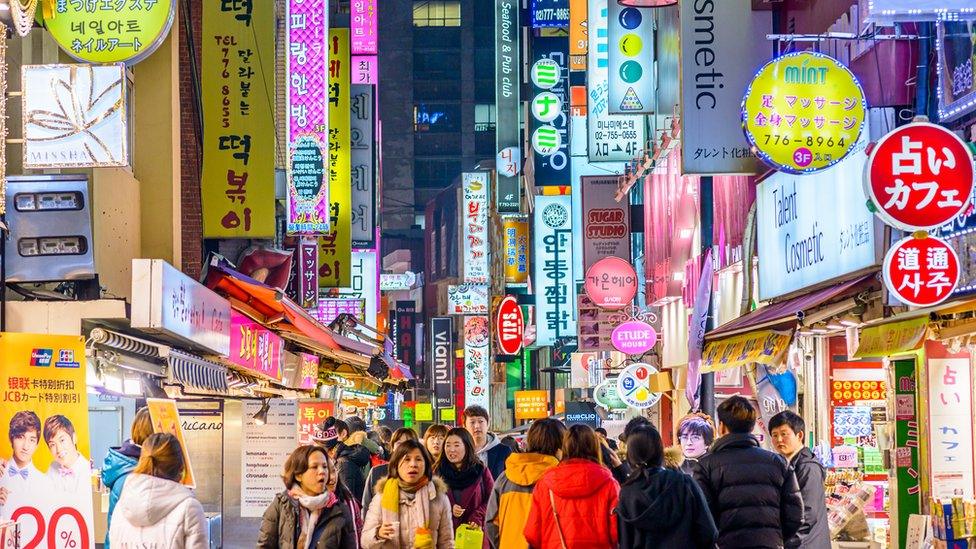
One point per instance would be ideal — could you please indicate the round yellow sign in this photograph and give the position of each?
(803, 112)
(111, 32)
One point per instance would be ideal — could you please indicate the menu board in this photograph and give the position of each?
(264, 450)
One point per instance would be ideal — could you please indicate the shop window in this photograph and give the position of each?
(437, 13)
(436, 117)
(484, 118)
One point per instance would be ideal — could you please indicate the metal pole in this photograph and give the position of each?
(707, 387)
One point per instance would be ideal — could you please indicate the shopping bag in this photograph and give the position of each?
(468, 536)
(423, 539)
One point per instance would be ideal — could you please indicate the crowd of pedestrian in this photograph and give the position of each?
(566, 488)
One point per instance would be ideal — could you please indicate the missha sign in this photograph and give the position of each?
(814, 228)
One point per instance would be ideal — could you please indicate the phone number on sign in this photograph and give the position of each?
(615, 135)
(809, 141)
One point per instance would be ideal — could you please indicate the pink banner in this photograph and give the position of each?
(306, 30)
(365, 69)
(254, 347)
(330, 308)
(362, 23)
(308, 372)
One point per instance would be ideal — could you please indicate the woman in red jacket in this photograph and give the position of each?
(573, 503)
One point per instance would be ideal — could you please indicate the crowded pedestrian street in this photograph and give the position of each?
(488, 274)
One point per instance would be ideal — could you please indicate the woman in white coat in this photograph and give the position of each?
(155, 510)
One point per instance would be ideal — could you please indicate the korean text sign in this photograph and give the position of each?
(237, 185)
(46, 445)
(477, 361)
(362, 22)
(531, 404)
(165, 417)
(112, 32)
(311, 415)
(606, 222)
(363, 175)
(335, 248)
(554, 279)
(803, 112)
(307, 122)
(516, 245)
(921, 271)
(475, 228)
(254, 347)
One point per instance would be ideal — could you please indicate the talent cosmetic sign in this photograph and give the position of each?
(813, 228)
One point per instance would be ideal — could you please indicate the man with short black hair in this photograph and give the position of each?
(490, 449)
(603, 435)
(787, 431)
(752, 493)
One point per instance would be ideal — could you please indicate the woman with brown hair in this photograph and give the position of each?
(119, 462)
(411, 508)
(155, 510)
(573, 503)
(306, 514)
(434, 440)
(469, 481)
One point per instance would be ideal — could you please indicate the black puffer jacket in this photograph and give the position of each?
(353, 464)
(752, 493)
(810, 475)
(664, 509)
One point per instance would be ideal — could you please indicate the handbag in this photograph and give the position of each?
(559, 527)
(468, 536)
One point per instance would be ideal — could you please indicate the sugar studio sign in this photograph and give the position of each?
(814, 228)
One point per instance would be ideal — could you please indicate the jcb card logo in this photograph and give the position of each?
(66, 359)
(41, 357)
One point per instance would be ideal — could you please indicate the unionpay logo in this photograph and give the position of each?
(41, 357)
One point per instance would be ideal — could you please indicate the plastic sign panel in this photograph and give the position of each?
(803, 112)
(634, 337)
(515, 234)
(477, 361)
(365, 70)
(467, 299)
(550, 13)
(237, 184)
(606, 222)
(531, 405)
(921, 271)
(74, 116)
(553, 261)
(255, 348)
(888, 12)
(114, 31)
(441, 360)
(509, 326)
(508, 136)
(363, 27)
(631, 72)
(611, 283)
(920, 176)
(474, 228)
(549, 109)
(307, 120)
(950, 414)
(634, 386)
(578, 42)
(363, 159)
(607, 397)
(391, 282)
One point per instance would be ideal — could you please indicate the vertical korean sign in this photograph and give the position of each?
(606, 223)
(475, 228)
(307, 120)
(335, 248)
(550, 110)
(611, 137)
(553, 262)
(47, 481)
(442, 360)
(237, 186)
(363, 167)
(362, 22)
(516, 243)
(477, 361)
(507, 82)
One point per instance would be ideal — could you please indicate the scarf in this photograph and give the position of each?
(460, 479)
(423, 491)
(309, 512)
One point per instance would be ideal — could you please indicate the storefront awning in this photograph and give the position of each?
(783, 315)
(196, 372)
(763, 347)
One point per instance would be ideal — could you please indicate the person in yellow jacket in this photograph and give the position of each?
(511, 497)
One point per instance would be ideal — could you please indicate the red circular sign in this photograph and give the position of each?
(509, 326)
(611, 283)
(921, 271)
(920, 176)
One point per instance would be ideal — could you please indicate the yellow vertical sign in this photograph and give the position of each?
(335, 248)
(237, 185)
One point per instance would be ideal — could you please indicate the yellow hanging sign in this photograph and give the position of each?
(335, 248)
(763, 347)
(110, 32)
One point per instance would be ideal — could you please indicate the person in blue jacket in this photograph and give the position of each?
(120, 462)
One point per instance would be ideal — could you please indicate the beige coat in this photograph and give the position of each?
(440, 525)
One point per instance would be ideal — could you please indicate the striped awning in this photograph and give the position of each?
(197, 372)
(127, 343)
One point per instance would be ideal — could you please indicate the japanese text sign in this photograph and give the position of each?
(112, 31)
(474, 227)
(307, 120)
(553, 265)
(335, 248)
(921, 271)
(237, 184)
(254, 347)
(308, 272)
(803, 112)
(515, 234)
(549, 108)
(509, 326)
(611, 283)
(950, 423)
(362, 23)
(477, 361)
(920, 176)
(531, 404)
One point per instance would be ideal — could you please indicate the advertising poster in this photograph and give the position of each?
(335, 248)
(606, 222)
(46, 450)
(474, 228)
(515, 232)
(553, 266)
(442, 360)
(477, 361)
(611, 137)
(363, 166)
(716, 66)
(165, 418)
(507, 106)
(551, 89)
(311, 415)
(237, 184)
(307, 123)
(631, 72)
(264, 448)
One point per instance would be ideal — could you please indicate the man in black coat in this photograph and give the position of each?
(752, 493)
(787, 431)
